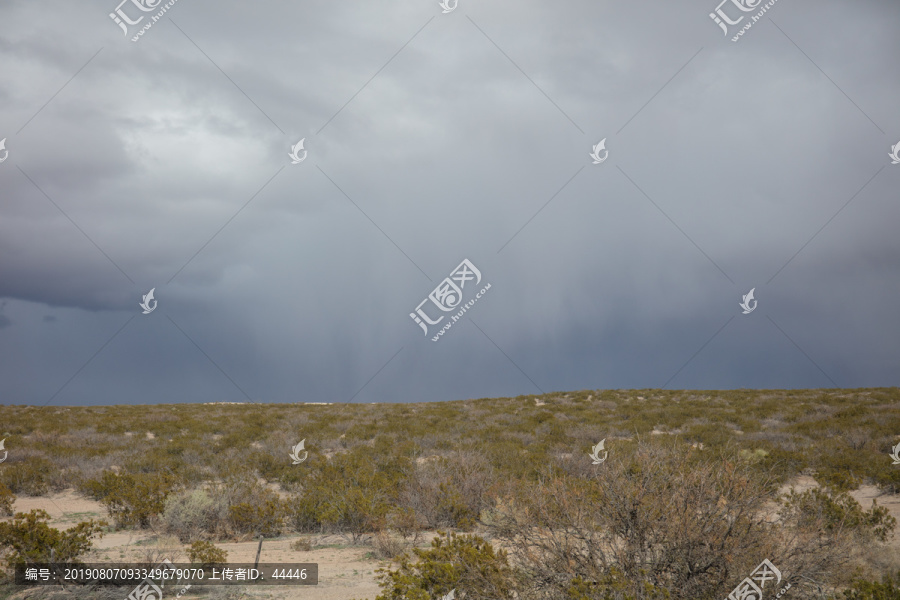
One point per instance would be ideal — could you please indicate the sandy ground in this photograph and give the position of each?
(864, 495)
(345, 571)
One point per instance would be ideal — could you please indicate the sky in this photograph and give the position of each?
(584, 191)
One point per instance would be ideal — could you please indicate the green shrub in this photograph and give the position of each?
(273, 468)
(30, 477)
(780, 464)
(303, 514)
(351, 493)
(206, 554)
(132, 499)
(888, 589)
(840, 512)
(6, 500)
(466, 563)
(887, 477)
(709, 434)
(453, 505)
(28, 539)
(262, 516)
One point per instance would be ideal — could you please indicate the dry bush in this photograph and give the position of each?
(224, 592)
(406, 522)
(668, 521)
(230, 508)
(449, 491)
(55, 592)
(387, 546)
(301, 544)
(193, 515)
(158, 550)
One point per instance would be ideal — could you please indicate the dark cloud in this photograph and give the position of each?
(432, 138)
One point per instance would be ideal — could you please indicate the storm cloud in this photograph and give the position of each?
(432, 137)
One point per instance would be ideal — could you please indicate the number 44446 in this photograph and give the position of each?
(289, 574)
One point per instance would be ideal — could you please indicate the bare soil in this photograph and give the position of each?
(346, 571)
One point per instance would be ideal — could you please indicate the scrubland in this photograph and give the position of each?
(493, 498)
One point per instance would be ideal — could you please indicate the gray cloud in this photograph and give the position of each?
(432, 138)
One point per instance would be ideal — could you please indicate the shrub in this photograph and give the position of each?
(260, 516)
(887, 478)
(840, 466)
(351, 493)
(451, 506)
(612, 586)
(132, 499)
(303, 514)
(301, 545)
(449, 491)
(206, 554)
(6, 500)
(191, 514)
(29, 539)
(840, 513)
(888, 589)
(466, 563)
(30, 477)
(387, 546)
(780, 464)
(677, 522)
(406, 522)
